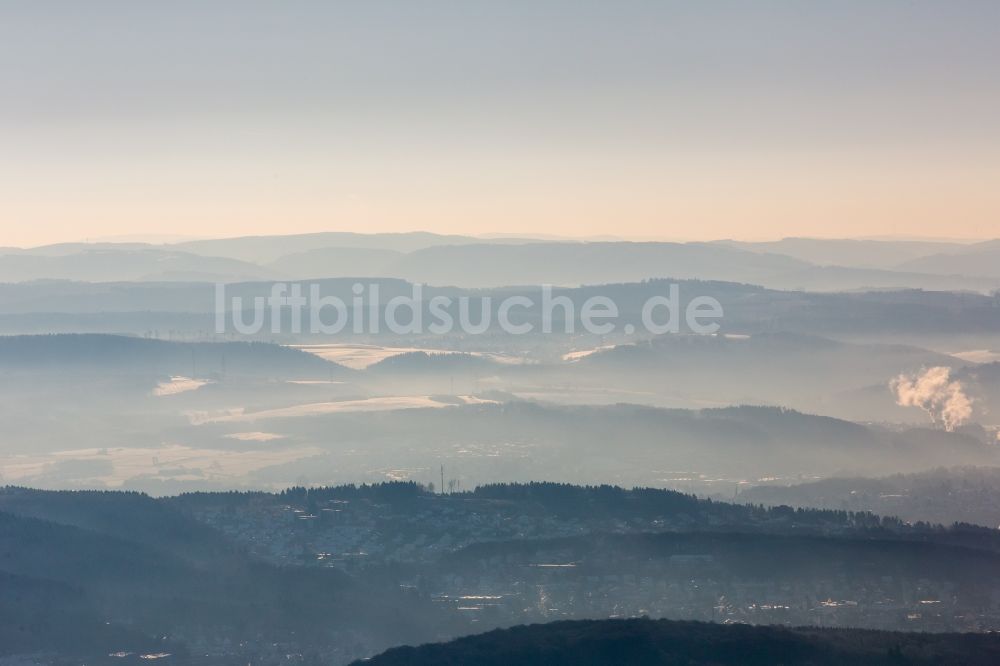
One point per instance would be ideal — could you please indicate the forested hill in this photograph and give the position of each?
(408, 508)
(643, 642)
(130, 573)
(66, 353)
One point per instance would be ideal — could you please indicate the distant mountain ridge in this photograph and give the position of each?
(465, 261)
(133, 263)
(849, 252)
(978, 259)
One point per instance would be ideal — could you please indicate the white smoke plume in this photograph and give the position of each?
(935, 392)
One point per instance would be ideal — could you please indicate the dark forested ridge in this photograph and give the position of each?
(643, 642)
(339, 573)
(944, 495)
(136, 569)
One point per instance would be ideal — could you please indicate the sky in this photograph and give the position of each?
(673, 120)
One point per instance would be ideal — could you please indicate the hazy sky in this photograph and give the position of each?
(648, 119)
